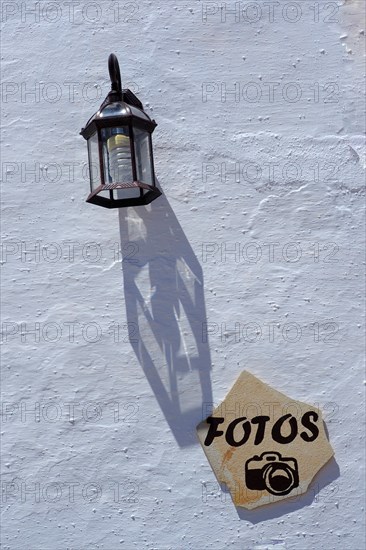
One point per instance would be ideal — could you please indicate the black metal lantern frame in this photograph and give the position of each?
(121, 164)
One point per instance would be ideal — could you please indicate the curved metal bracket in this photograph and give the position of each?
(114, 73)
(116, 93)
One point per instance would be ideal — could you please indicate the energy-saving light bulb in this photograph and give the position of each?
(119, 159)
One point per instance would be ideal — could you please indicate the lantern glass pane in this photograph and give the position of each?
(94, 165)
(118, 161)
(143, 156)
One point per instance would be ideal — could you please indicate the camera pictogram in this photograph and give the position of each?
(272, 472)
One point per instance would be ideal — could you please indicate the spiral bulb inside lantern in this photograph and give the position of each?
(119, 159)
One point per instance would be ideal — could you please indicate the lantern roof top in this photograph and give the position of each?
(127, 105)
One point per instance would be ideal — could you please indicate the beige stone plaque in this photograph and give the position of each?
(262, 445)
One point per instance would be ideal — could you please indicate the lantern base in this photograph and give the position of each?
(148, 193)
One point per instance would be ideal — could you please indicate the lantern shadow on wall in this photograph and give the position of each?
(165, 306)
(163, 280)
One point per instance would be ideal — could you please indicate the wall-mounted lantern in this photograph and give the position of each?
(121, 164)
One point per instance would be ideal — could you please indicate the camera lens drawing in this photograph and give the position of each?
(272, 472)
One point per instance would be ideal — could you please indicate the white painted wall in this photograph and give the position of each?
(287, 305)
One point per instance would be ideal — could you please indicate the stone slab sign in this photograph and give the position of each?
(262, 445)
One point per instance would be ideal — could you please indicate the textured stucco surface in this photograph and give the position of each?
(270, 257)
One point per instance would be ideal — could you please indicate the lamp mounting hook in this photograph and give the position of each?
(114, 73)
